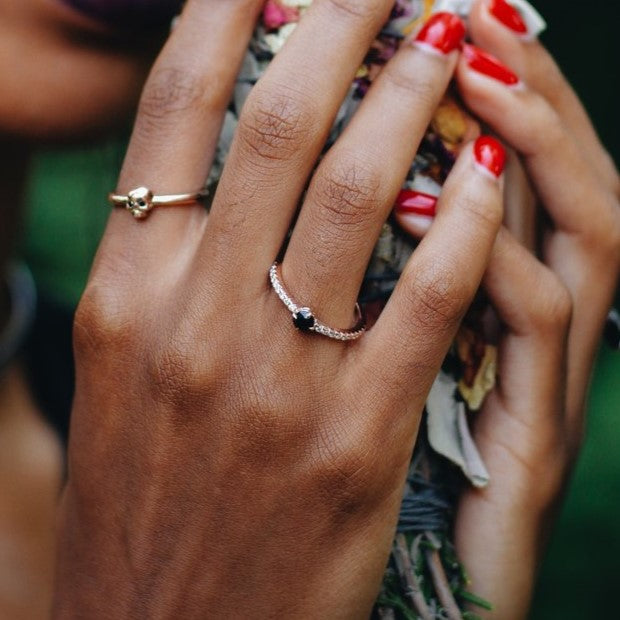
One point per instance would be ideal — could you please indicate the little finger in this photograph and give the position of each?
(176, 130)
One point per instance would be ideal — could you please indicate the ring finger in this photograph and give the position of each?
(176, 131)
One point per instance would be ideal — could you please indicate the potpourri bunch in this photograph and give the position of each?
(424, 578)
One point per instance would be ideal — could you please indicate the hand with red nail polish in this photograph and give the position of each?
(550, 302)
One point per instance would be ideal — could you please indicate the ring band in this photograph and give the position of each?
(141, 201)
(304, 319)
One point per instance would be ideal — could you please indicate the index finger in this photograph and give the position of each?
(415, 330)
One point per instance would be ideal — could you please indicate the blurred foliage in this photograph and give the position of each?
(579, 576)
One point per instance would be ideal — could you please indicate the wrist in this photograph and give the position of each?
(252, 569)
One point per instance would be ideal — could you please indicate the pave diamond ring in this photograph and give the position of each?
(304, 319)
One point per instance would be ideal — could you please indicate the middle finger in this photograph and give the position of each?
(283, 127)
(356, 184)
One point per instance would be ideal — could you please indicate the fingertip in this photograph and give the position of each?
(476, 182)
(483, 158)
(494, 92)
(490, 157)
(415, 210)
(441, 35)
(517, 18)
(480, 63)
(488, 33)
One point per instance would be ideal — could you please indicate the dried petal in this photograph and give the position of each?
(448, 432)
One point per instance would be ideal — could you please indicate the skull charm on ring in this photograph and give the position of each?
(140, 202)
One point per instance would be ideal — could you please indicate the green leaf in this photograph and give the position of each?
(476, 600)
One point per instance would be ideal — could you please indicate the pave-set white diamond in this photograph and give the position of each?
(304, 319)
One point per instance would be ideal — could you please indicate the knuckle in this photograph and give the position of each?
(437, 298)
(347, 196)
(553, 310)
(605, 240)
(487, 214)
(599, 235)
(544, 75)
(614, 232)
(548, 134)
(168, 91)
(175, 376)
(102, 323)
(274, 127)
(182, 373)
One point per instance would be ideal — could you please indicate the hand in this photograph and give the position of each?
(552, 308)
(222, 463)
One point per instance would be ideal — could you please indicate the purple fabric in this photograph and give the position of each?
(131, 13)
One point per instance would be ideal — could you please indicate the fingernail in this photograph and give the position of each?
(443, 33)
(418, 203)
(416, 224)
(490, 156)
(508, 15)
(488, 65)
(520, 16)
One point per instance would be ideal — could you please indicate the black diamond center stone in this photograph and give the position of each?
(303, 319)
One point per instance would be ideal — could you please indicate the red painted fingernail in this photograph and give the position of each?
(410, 201)
(490, 154)
(443, 32)
(508, 15)
(488, 65)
